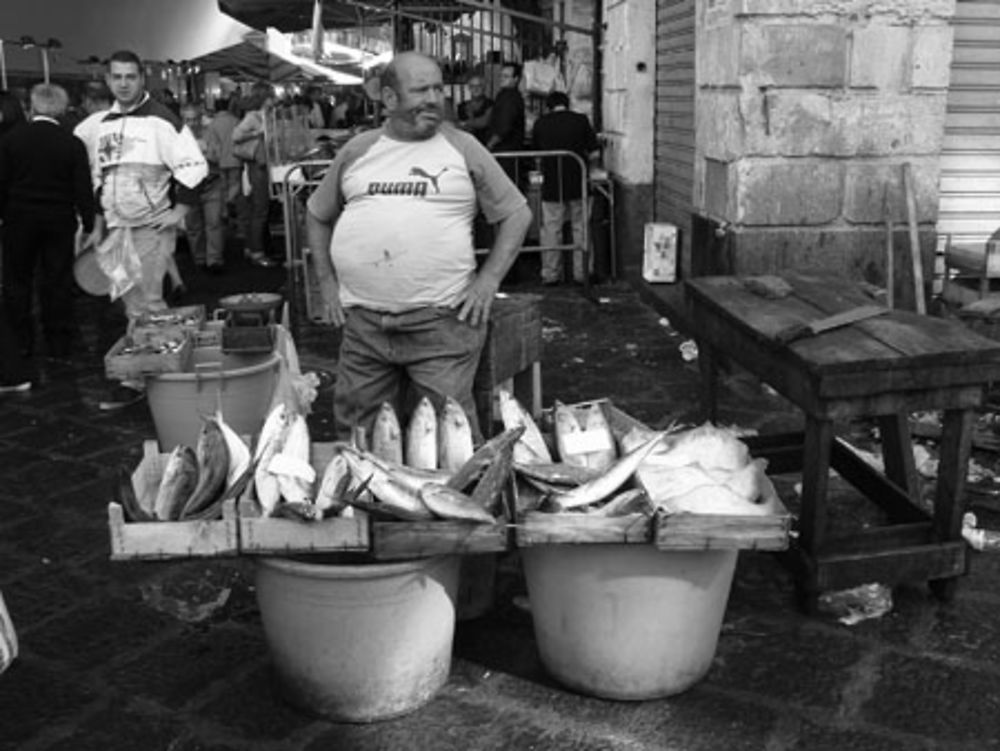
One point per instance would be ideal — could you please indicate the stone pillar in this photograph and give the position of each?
(629, 105)
(806, 111)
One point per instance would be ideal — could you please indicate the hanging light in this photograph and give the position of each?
(28, 42)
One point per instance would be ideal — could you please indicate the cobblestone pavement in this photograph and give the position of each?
(171, 655)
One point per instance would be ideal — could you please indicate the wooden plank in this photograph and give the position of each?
(875, 539)
(541, 528)
(722, 531)
(874, 485)
(914, 563)
(397, 540)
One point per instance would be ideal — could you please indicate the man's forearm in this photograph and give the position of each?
(318, 236)
(510, 233)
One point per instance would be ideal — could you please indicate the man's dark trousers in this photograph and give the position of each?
(46, 242)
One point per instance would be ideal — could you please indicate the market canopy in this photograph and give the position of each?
(248, 61)
(295, 15)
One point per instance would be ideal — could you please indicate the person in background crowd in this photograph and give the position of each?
(562, 130)
(394, 215)
(11, 112)
(320, 109)
(147, 165)
(219, 141)
(15, 371)
(96, 97)
(250, 132)
(45, 190)
(506, 124)
(203, 222)
(474, 112)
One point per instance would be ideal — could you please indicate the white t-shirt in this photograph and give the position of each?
(404, 212)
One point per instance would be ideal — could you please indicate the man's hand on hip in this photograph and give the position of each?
(475, 303)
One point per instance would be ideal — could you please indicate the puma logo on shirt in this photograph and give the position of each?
(420, 172)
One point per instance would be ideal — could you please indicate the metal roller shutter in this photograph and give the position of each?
(674, 123)
(969, 208)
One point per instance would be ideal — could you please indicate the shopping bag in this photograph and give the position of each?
(119, 260)
(8, 637)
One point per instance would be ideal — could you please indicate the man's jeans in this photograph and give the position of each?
(400, 357)
(550, 234)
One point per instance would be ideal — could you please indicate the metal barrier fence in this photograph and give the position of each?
(525, 168)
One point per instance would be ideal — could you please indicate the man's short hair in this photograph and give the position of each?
(126, 56)
(49, 100)
(557, 99)
(515, 67)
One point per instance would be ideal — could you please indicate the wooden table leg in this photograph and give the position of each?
(949, 497)
(812, 518)
(709, 368)
(897, 452)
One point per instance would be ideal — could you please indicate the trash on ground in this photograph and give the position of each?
(979, 539)
(851, 606)
(8, 638)
(769, 390)
(191, 607)
(664, 322)
(604, 300)
(689, 350)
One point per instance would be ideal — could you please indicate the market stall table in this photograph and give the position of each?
(883, 366)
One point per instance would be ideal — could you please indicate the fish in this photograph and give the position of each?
(631, 501)
(601, 452)
(180, 477)
(488, 493)
(291, 465)
(213, 468)
(387, 437)
(410, 477)
(566, 428)
(239, 452)
(269, 443)
(449, 503)
(421, 436)
(558, 473)
(483, 457)
(401, 499)
(125, 495)
(333, 485)
(600, 488)
(454, 436)
(530, 447)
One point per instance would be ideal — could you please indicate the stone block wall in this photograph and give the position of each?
(806, 111)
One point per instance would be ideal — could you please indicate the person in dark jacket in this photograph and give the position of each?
(45, 191)
(563, 187)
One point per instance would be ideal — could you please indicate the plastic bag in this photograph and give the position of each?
(119, 260)
(8, 637)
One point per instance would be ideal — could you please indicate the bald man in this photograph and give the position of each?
(391, 224)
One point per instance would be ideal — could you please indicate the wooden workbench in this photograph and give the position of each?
(882, 368)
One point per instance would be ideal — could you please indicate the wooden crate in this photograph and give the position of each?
(264, 535)
(684, 531)
(133, 365)
(393, 540)
(511, 358)
(167, 325)
(162, 540)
